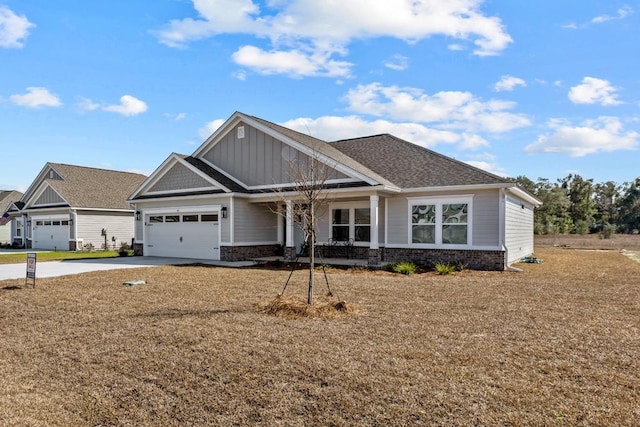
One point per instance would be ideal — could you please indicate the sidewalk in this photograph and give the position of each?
(67, 267)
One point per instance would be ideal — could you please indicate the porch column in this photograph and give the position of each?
(373, 204)
(289, 249)
(374, 246)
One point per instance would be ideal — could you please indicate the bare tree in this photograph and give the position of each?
(308, 195)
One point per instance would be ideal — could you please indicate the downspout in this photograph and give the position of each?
(74, 216)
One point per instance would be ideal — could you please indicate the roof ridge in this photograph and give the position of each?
(94, 168)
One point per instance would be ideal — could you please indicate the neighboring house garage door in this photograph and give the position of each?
(51, 235)
(183, 236)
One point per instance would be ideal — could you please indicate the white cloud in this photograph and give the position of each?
(447, 110)
(332, 128)
(397, 62)
(604, 134)
(209, 128)
(623, 12)
(129, 106)
(294, 63)
(13, 28)
(490, 167)
(85, 104)
(306, 34)
(594, 91)
(36, 97)
(509, 83)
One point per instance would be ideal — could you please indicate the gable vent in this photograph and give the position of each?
(240, 132)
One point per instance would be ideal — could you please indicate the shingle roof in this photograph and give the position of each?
(219, 177)
(94, 188)
(7, 197)
(409, 166)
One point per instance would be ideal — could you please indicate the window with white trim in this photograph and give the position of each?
(440, 221)
(351, 222)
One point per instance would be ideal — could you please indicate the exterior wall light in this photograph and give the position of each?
(224, 212)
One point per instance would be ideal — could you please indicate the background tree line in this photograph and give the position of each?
(577, 205)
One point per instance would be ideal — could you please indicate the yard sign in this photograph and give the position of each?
(31, 268)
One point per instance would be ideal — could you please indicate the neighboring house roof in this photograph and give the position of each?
(7, 197)
(86, 187)
(411, 166)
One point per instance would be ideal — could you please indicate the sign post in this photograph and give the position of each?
(31, 268)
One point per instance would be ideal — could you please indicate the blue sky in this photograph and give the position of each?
(535, 88)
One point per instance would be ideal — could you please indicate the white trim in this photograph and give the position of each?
(185, 190)
(230, 217)
(274, 242)
(438, 201)
(374, 209)
(443, 247)
(521, 194)
(386, 221)
(181, 210)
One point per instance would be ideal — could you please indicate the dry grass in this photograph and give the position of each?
(556, 345)
(590, 241)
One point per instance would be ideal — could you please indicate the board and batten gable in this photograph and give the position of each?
(518, 229)
(49, 197)
(258, 159)
(179, 177)
(485, 217)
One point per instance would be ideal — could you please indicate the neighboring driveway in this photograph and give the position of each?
(66, 267)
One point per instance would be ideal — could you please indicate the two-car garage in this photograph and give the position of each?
(183, 235)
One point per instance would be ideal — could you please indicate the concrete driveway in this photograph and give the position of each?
(67, 267)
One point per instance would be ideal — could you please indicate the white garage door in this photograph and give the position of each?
(183, 236)
(51, 235)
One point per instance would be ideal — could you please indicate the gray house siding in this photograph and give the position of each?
(180, 178)
(258, 158)
(5, 233)
(518, 229)
(254, 223)
(118, 225)
(49, 197)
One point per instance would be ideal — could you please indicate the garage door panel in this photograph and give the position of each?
(183, 240)
(51, 237)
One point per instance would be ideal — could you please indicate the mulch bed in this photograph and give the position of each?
(558, 344)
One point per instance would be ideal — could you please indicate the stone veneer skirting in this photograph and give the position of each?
(475, 259)
(243, 253)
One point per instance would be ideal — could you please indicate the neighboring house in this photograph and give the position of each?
(7, 198)
(389, 200)
(74, 208)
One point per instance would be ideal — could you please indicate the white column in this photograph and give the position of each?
(289, 242)
(373, 204)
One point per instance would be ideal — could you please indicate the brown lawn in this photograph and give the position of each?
(556, 345)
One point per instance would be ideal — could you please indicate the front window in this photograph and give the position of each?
(362, 229)
(351, 223)
(340, 225)
(423, 224)
(444, 221)
(454, 224)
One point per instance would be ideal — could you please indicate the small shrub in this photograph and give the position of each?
(607, 231)
(444, 268)
(404, 267)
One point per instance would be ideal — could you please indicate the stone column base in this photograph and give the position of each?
(375, 256)
(289, 253)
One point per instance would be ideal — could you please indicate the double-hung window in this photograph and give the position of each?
(351, 222)
(440, 221)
